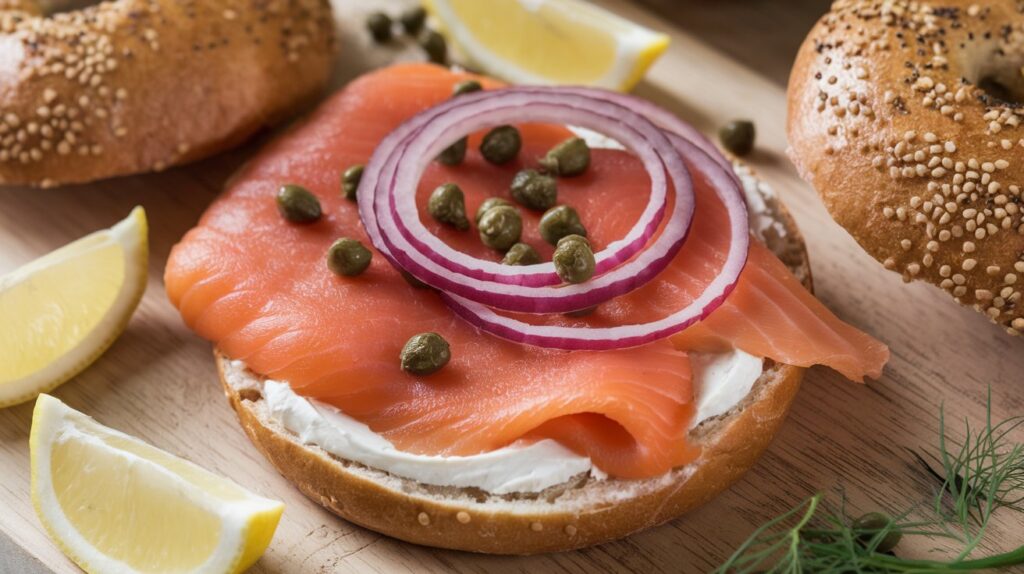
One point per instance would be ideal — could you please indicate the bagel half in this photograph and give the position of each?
(907, 119)
(574, 514)
(130, 86)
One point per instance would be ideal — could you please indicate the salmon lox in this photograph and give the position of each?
(260, 290)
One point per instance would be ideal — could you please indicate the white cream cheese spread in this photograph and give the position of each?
(721, 381)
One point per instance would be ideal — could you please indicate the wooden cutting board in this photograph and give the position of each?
(158, 381)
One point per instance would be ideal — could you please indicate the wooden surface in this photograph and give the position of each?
(158, 380)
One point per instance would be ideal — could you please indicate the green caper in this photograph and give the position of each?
(425, 353)
(560, 221)
(501, 145)
(500, 227)
(435, 46)
(350, 179)
(534, 190)
(453, 154)
(297, 204)
(447, 204)
(413, 19)
(573, 259)
(871, 524)
(416, 283)
(348, 257)
(466, 87)
(521, 254)
(379, 25)
(488, 204)
(569, 158)
(738, 136)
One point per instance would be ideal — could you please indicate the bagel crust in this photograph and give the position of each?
(136, 85)
(906, 117)
(571, 516)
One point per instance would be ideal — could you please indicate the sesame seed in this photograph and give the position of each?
(423, 519)
(536, 526)
(969, 264)
(462, 517)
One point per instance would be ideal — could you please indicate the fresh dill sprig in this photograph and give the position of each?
(980, 474)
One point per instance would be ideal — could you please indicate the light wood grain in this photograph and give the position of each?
(158, 381)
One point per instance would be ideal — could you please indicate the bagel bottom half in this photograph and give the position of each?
(574, 514)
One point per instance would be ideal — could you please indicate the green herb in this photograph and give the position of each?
(980, 474)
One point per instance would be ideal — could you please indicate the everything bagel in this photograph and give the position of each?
(905, 116)
(138, 85)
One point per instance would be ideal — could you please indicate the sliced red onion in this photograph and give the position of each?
(389, 211)
(603, 338)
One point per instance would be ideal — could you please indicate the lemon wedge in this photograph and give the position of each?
(61, 311)
(550, 41)
(113, 503)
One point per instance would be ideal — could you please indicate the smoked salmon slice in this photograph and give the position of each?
(259, 289)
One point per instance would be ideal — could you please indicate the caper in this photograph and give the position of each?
(569, 158)
(871, 524)
(488, 204)
(534, 190)
(379, 25)
(521, 254)
(348, 257)
(413, 19)
(350, 179)
(466, 87)
(500, 227)
(425, 353)
(737, 136)
(573, 259)
(501, 145)
(435, 46)
(560, 221)
(416, 283)
(447, 204)
(453, 154)
(297, 204)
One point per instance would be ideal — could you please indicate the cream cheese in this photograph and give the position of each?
(721, 381)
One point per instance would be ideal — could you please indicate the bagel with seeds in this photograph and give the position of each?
(907, 119)
(578, 513)
(137, 85)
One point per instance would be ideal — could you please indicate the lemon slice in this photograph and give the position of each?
(113, 503)
(550, 41)
(61, 311)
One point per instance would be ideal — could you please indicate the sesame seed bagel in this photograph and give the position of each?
(580, 512)
(906, 117)
(130, 86)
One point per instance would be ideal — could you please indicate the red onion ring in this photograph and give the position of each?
(603, 338)
(388, 208)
